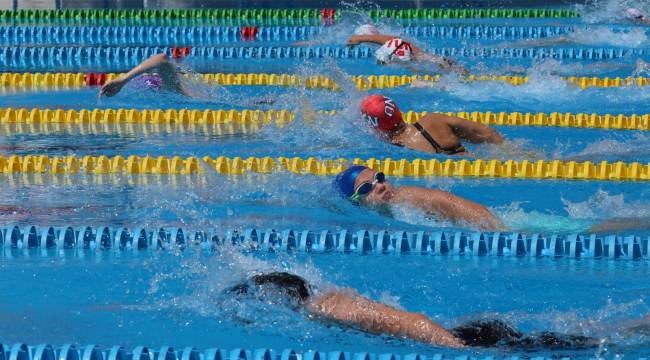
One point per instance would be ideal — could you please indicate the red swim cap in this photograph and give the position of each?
(381, 113)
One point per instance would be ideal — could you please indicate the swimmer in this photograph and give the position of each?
(166, 77)
(346, 307)
(393, 49)
(637, 16)
(433, 133)
(363, 185)
(159, 73)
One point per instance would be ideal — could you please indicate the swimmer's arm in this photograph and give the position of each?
(158, 63)
(472, 131)
(366, 315)
(304, 43)
(450, 206)
(379, 39)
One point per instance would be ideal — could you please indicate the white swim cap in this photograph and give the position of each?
(366, 29)
(633, 13)
(395, 49)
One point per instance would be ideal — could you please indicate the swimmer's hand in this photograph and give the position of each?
(112, 87)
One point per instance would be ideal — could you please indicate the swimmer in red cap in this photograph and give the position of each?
(393, 49)
(433, 133)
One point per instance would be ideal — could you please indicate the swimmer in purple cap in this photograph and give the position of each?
(363, 185)
(158, 73)
(166, 77)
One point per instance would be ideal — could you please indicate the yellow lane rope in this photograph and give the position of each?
(39, 118)
(162, 165)
(364, 82)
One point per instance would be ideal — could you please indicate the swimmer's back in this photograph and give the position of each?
(437, 126)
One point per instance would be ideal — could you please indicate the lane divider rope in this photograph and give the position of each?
(209, 35)
(21, 351)
(128, 129)
(363, 82)
(210, 117)
(132, 164)
(245, 14)
(423, 242)
(20, 57)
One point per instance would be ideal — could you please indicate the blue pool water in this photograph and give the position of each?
(173, 297)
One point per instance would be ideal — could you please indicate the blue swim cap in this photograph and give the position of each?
(344, 181)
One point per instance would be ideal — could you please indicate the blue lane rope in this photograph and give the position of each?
(21, 351)
(209, 35)
(130, 56)
(362, 241)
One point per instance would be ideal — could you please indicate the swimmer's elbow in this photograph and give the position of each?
(162, 58)
(492, 136)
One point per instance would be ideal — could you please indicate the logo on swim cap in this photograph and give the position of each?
(381, 113)
(395, 49)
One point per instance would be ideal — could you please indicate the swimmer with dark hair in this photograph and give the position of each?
(433, 133)
(363, 185)
(350, 309)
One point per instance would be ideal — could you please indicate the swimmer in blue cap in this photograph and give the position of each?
(348, 308)
(363, 185)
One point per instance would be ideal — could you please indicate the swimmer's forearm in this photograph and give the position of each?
(374, 39)
(152, 63)
(420, 328)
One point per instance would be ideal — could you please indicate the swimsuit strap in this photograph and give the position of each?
(435, 145)
(427, 136)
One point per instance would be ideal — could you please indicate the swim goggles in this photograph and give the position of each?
(366, 187)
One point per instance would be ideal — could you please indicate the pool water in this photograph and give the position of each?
(174, 297)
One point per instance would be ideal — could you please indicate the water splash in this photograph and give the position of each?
(609, 11)
(516, 219)
(615, 146)
(603, 205)
(605, 36)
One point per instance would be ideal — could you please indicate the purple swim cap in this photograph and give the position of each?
(149, 81)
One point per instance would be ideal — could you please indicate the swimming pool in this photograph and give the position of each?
(124, 227)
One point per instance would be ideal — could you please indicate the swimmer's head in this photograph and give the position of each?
(362, 184)
(382, 114)
(394, 50)
(366, 29)
(149, 82)
(634, 14)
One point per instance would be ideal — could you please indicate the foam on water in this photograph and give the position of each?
(609, 11)
(621, 147)
(605, 36)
